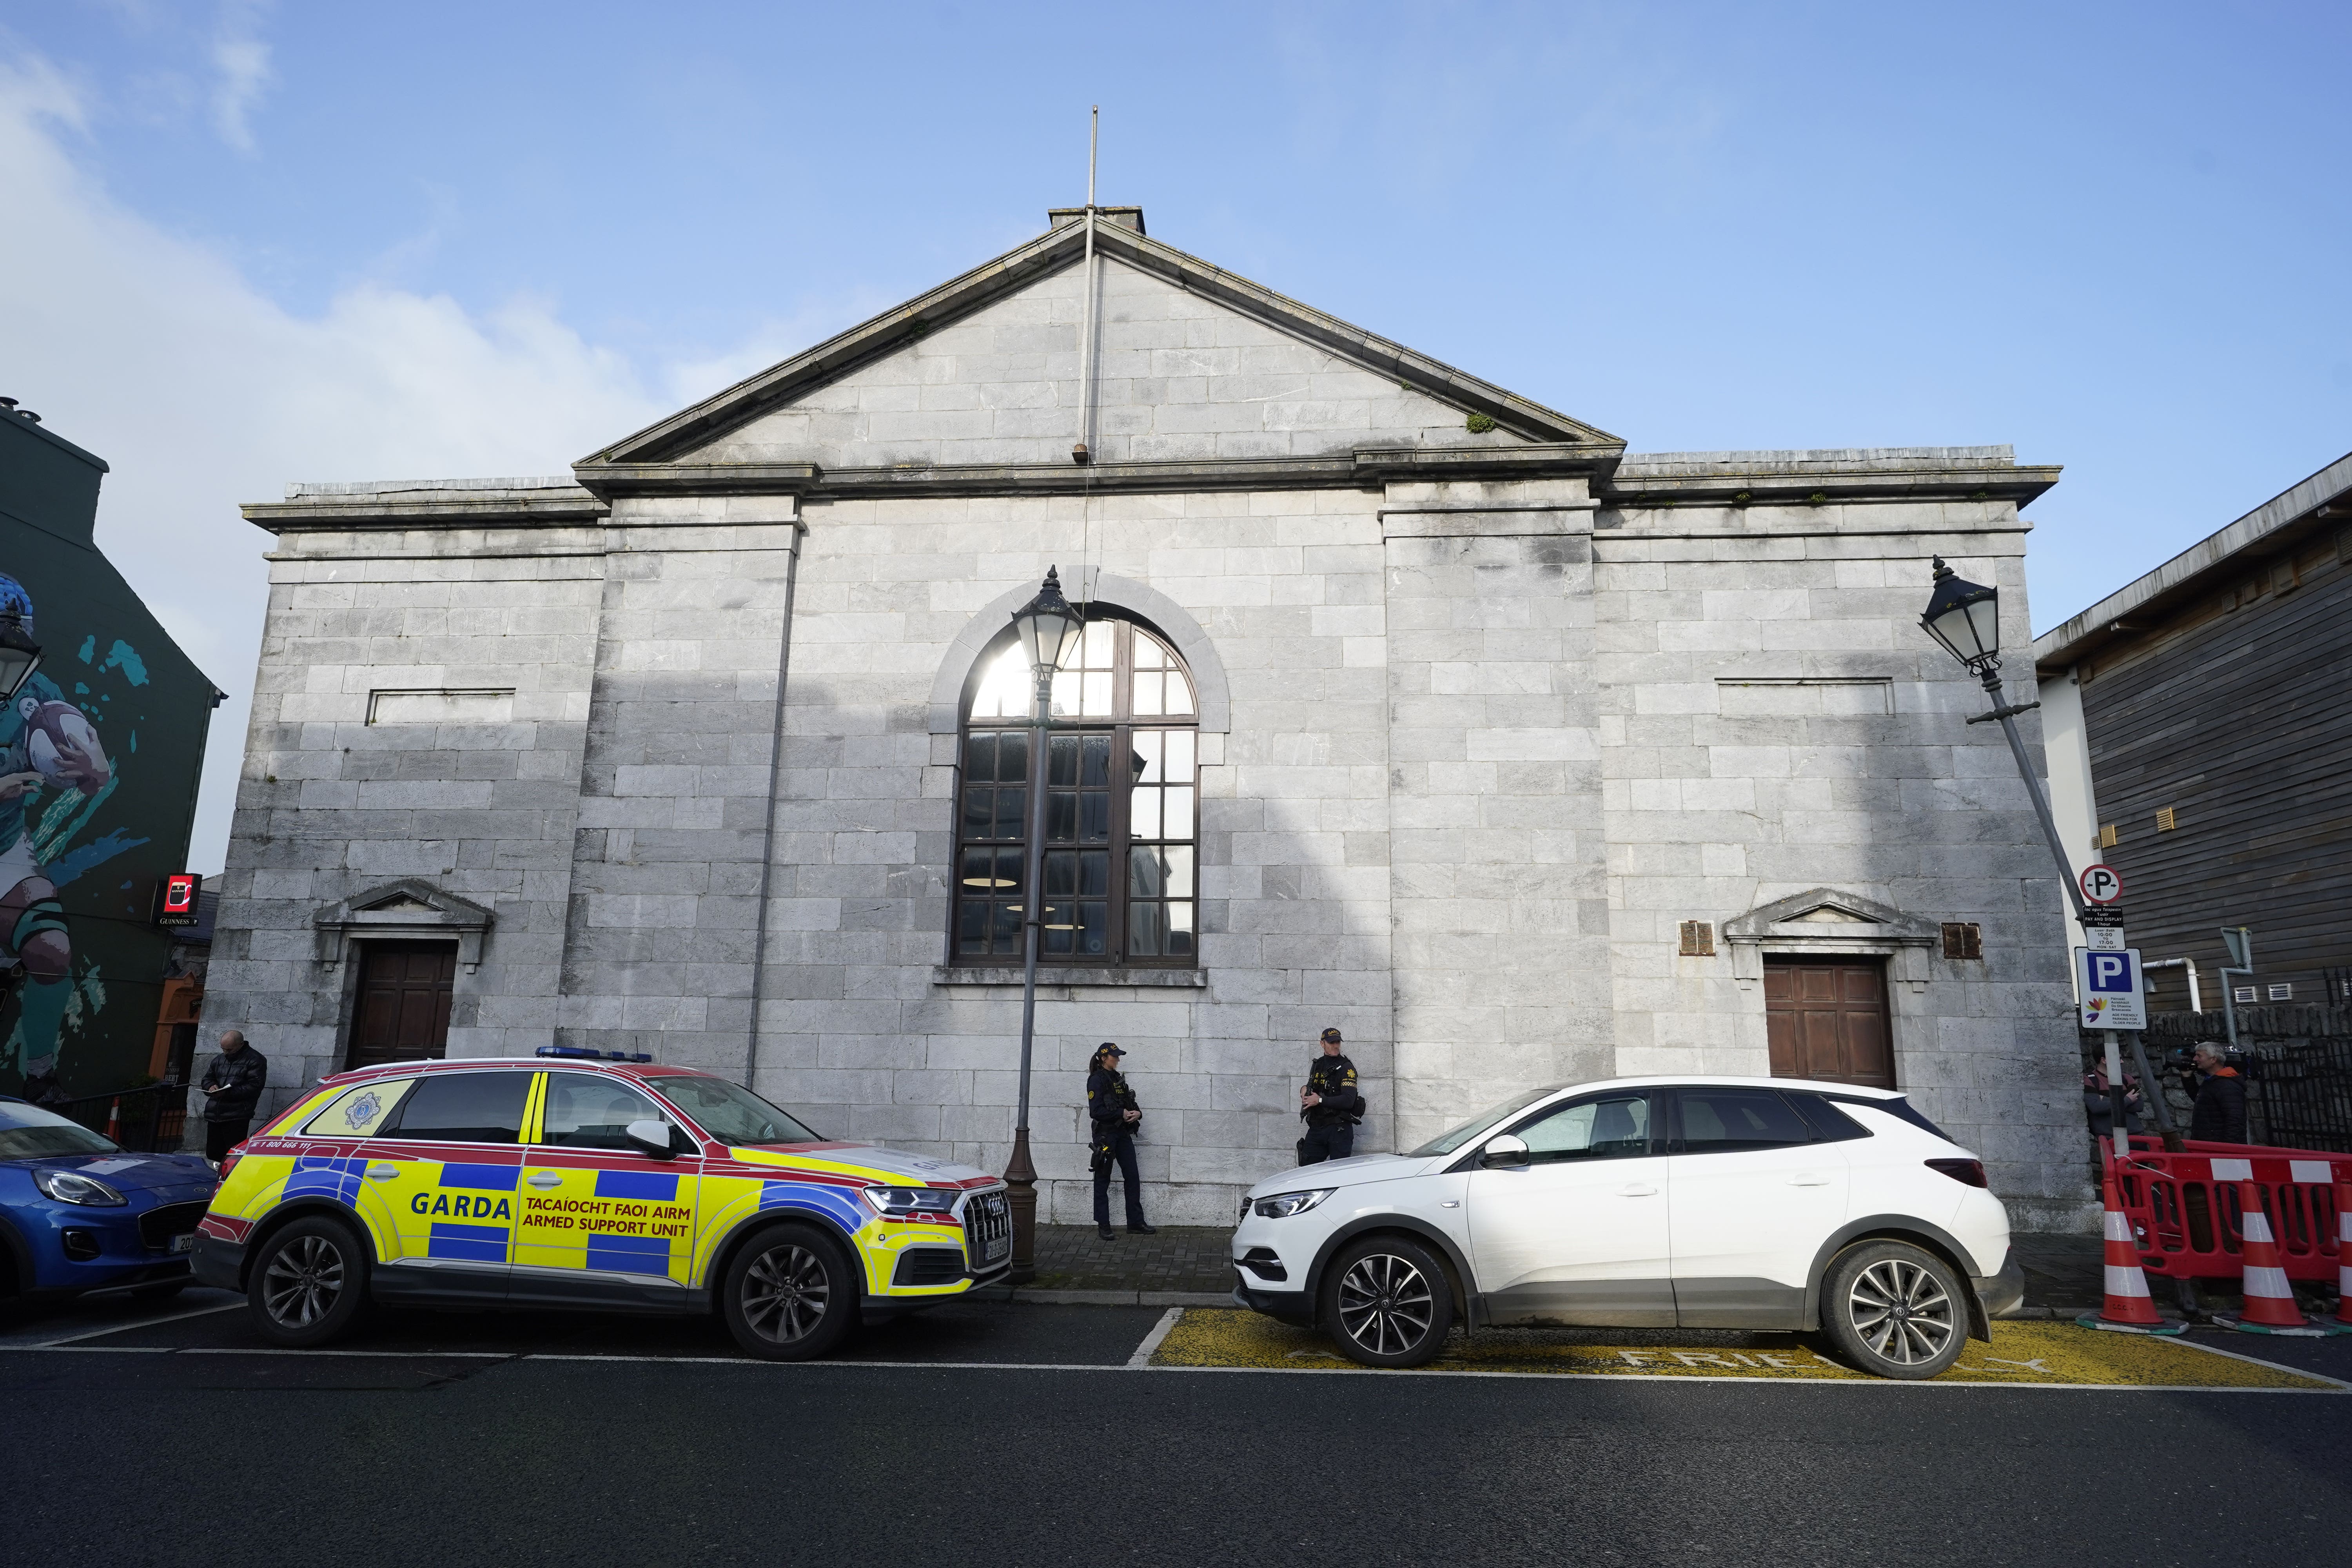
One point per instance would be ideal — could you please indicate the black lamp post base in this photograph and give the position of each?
(1021, 1198)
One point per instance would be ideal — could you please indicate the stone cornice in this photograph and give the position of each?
(1368, 468)
(1767, 487)
(1049, 253)
(426, 509)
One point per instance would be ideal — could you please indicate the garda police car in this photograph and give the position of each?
(571, 1179)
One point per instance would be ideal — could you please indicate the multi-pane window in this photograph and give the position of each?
(1120, 768)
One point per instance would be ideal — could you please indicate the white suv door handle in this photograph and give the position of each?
(382, 1172)
(1637, 1190)
(544, 1179)
(1809, 1178)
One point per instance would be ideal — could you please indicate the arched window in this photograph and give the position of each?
(1121, 806)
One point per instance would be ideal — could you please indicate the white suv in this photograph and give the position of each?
(1718, 1203)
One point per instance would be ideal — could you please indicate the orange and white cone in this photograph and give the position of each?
(2342, 1322)
(2129, 1309)
(114, 1120)
(2269, 1300)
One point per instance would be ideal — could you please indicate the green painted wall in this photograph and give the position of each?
(103, 849)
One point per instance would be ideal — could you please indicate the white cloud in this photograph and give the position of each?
(155, 353)
(242, 62)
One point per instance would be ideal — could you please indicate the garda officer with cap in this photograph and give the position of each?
(1331, 1105)
(1115, 1116)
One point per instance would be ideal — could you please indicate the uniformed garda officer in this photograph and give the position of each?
(1331, 1105)
(1114, 1116)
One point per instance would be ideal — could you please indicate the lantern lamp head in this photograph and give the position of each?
(1048, 627)
(1965, 617)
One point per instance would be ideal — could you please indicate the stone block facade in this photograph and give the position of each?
(1489, 710)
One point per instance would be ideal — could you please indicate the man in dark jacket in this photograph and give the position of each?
(1331, 1105)
(2219, 1116)
(1115, 1116)
(232, 1087)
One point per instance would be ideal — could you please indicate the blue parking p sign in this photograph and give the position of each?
(2108, 981)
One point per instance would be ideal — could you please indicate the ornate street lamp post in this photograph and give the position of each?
(1048, 630)
(1965, 617)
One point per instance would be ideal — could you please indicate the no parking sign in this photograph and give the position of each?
(2109, 983)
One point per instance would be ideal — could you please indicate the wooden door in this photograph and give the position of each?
(1826, 1018)
(404, 1005)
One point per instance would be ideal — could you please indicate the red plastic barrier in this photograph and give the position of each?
(2184, 1208)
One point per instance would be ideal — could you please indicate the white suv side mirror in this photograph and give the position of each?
(1504, 1152)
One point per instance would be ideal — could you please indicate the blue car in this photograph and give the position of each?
(78, 1213)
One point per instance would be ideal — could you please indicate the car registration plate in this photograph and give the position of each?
(998, 1245)
(184, 1243)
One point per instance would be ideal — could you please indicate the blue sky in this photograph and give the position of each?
(257, 244)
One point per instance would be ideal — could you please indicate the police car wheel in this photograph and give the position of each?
(1894, 1310)
(309, 1284)
(790, 1294)
(1387, 1302)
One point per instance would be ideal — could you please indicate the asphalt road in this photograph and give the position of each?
(495, 1438)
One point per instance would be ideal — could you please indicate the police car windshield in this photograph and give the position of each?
(28, 1132)
(1453, 1137)
(731, 1114)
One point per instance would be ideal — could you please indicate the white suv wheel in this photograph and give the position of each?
(1387, 1302)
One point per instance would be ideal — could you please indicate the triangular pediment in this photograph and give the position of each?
(406, 901)
(1192, 365)
(401, 905)
(1827, 913)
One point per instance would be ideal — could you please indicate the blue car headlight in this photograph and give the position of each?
(73, 1188)
(1282, 1205)
(904, 1203)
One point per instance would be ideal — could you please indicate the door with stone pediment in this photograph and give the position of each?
(1826, 1018)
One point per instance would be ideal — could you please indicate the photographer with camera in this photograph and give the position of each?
(2219, 1116)
(2100, 1106)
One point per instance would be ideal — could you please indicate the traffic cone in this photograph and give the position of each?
(114, 1121)
(2269, 1300)
(2128, 1309)
(2342, 1322)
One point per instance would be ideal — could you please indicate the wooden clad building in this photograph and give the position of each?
(2200, 728)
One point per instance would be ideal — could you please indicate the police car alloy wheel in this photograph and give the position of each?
(1387, 1302)
(309, 1284)
(790, 1294)
(1894, 1310)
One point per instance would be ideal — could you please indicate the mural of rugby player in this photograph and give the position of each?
(45, 742)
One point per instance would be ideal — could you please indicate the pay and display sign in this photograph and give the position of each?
(2109, 982)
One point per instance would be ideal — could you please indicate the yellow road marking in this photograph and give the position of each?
(2023, 1354)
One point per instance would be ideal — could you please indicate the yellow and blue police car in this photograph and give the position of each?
(572, 1180)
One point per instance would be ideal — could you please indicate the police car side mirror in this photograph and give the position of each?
(1504, 1153)
(652, 1139)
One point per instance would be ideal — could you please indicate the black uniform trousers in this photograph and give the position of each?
(1122, 1152)
(1323, 1143)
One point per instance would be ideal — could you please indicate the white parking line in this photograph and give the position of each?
(141, 1323)
(1142, 1356)
(384, 1355)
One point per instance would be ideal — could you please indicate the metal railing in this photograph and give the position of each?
(2299, 1094)
(147, 1120)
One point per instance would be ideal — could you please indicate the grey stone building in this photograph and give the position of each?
(1418, 708)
